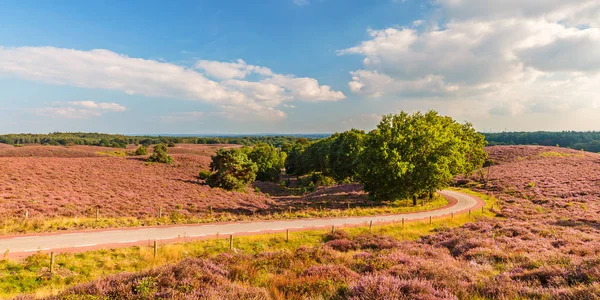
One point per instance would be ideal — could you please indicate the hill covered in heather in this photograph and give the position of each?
(544, 243)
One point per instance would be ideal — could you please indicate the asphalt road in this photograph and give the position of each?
(80, 241)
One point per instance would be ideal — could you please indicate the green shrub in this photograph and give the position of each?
(204, 174)
(159, 155)
(319, 179)
(141, 150)
(171, 144)
(233, 170)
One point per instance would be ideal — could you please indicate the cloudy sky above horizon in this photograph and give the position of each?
(296, 66)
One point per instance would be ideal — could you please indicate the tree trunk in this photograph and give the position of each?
(414, 200)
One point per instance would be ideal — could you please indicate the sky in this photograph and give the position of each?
(296, 66)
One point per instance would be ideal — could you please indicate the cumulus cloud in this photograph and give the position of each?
(513, 57)
(101, 105)
(79, 109)
(105, 69)
(230, 70)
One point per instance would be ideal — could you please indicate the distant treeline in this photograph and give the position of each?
(121, 141)
(588, 141)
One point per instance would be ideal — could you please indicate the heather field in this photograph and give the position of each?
(56, 181)
(50, 188)
(544, 243)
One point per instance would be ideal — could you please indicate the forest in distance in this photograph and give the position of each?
(578, 140)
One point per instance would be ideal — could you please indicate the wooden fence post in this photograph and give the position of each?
(155, 248)
(97, 213)
(51, 263)
(402, 222)
(160, 212)
(230, 241)
(287, 235)
(371, 226)
(430, 221)
(332, 229)
(26, 213)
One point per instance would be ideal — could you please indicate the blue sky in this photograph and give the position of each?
(295, 66)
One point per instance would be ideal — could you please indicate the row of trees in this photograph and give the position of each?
(121, 141)
(588, 141)
(405, 156)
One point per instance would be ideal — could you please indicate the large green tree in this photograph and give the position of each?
(232, 170)
(412, 155)
(344, 154)
(269, 162)
(294, 164)
(316, 156)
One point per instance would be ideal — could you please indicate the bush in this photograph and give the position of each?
(171, 144)
(233, 170)
(141, 150)
(321, 180)
(204, 175)
(160, 155)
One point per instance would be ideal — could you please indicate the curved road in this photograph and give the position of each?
(81, 241)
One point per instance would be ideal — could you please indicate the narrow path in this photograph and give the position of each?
(82, 241)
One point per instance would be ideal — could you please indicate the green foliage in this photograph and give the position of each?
(204, 175)
(232, 170)
(294, 164)
(159, 155)
(345, 153)
(121, 141)
(410, 155)
(171, 144)
(141, 150)
(589, 140)
(321, 180)
(316, 156)
(269, 162)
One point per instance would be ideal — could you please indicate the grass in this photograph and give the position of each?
(113, 153)
(548, 154)
(31, 275)
(36, 225)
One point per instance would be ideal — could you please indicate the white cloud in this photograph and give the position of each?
(67, 112)
(512, 57)
(79, 109)
(230, 70)
(101, 105)
(108, 70)
(307, 89)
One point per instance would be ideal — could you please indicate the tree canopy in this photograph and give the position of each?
(269, 162)
(232, 170)
(344, 154)
(409, 155)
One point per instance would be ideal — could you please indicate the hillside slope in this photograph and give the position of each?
(545, 244)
